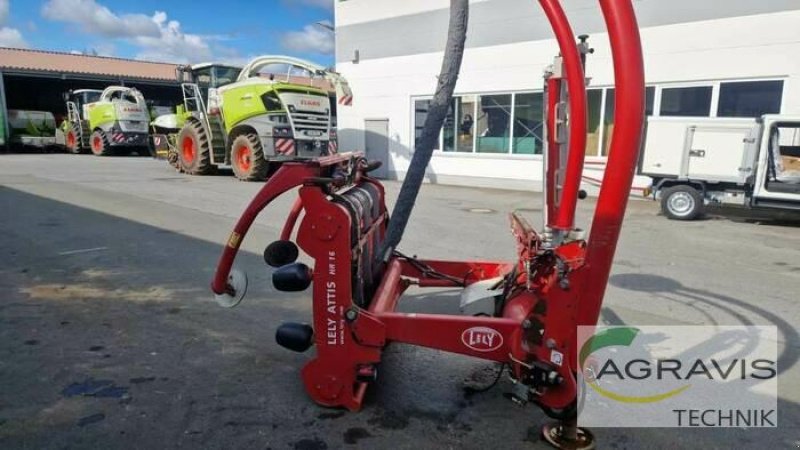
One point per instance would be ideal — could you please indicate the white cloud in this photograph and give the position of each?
(172, 44)
(157, 37)
(11, 37)
(95, 18)
(313, 39)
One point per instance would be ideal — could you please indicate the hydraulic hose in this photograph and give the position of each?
(442, 99)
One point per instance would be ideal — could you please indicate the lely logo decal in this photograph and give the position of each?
(482, 339)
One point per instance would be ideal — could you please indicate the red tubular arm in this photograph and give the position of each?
(626, 50)
(294, 213)
(576, 86)
(287, 177)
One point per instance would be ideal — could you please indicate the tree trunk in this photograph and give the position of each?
(442, 99)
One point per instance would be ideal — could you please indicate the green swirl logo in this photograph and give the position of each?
(617, 337)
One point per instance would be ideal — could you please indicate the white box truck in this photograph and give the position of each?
(695, 162)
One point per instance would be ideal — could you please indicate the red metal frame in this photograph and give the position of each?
(629, 96)
(552, 197)
(552, 287)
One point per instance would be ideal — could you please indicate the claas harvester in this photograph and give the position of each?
(106, 121)
(251, 119)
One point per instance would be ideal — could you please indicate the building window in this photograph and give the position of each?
(594, 102)
(649, 100)
(420, 114)
(686, 101)
(494, 120)
(514, 123)
(608, 121)
(458, 134)
(608, 114)
(750, 98)
(465, 123)
(449, 128)
(528, 126)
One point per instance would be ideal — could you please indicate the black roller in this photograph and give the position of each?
(292, 277)
(297, 337)
(280, 253)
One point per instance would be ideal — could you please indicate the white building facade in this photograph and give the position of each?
(705, 58)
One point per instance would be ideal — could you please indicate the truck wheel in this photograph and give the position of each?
(73, 139)
(247, 158)
(681, 202)
(194, 150)
(99, 144)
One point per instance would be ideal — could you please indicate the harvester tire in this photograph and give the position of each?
(73, 139)
(247, 158)
(194, 149)
(99, 144)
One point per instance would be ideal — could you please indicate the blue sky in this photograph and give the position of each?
(174, 31)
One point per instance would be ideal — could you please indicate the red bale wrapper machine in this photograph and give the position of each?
(522, 313)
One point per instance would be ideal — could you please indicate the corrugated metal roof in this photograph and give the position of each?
(45, 61)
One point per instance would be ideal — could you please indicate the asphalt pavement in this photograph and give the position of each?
(109, 337)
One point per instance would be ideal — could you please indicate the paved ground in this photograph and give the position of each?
(105, 265)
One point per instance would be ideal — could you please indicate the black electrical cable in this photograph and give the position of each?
(430, 271)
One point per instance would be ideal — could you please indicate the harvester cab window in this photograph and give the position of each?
(215, 76)
(126, 96)
(225, 75)
(274, 71)
(203, 77)
(288, 73)
(89, 97)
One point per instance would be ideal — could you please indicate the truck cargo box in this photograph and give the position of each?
(711, 149)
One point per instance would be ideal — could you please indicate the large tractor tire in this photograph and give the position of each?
(73, 139)
(682, 202)
(99, 143)
(194, 149)
(247, 158)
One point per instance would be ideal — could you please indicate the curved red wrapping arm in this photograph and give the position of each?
(629, 96)
(291, 220)
(576, 87)
(287, 177)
